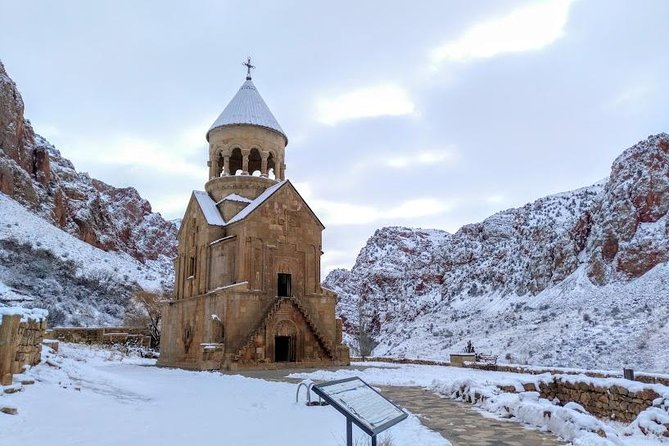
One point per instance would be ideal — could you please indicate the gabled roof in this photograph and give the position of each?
(248, 107)
(235, 197)
(257, 202)
(213, 215)
(209, 209)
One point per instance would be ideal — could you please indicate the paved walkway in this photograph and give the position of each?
(461, 424)
(458, 422)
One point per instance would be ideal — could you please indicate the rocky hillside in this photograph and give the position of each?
(35, 174)
(42, 196)
(505, 282)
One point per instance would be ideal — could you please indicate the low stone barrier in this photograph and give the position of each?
(613, 400)
(647, 378)
(29, 349)
(101, 335)
(21, 335)
(400, 360)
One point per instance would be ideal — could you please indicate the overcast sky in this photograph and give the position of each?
(428, 114)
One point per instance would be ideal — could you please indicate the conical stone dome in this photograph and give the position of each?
(248, 107)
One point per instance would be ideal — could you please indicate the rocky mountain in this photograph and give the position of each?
(35, 174)
(47, 268)
(572, 279)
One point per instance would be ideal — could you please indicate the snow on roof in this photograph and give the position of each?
(213, 215)
(257, 202)
(209, 209)
(235, 197)
(248, 107)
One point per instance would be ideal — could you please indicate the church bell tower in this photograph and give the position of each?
(246, 146)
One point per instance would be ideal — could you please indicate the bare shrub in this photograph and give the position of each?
(144, 311)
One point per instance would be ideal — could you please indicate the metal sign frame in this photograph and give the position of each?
(353, 418)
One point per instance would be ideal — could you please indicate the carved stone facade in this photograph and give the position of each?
(247, 287)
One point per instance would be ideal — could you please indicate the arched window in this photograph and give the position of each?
(255, 162)
(271, 168)
(236, 161)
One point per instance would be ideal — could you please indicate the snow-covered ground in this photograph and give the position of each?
(570, 422)
(101, 397)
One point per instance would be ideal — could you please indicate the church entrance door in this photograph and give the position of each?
(284, 350)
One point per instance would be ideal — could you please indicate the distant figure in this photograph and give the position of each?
(470, 347)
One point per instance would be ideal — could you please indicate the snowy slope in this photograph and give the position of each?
(43, 266)
(574, 279)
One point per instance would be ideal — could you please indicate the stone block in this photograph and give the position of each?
(9, 410)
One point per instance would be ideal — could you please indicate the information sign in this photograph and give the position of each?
(360, 404)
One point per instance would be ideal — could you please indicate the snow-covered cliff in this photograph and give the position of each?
(573, 279)
(68, 242)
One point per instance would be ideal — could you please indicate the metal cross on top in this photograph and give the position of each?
(249, 67)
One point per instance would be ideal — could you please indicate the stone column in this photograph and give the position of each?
(263, 165)
(283, 172)
(226, 165)
(212, 170)
(245, 162)
(9, 339)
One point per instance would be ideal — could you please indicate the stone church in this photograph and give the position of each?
(247, 274)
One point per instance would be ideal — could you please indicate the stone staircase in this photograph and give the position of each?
(270, 311)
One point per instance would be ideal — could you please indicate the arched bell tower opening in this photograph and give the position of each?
(236, 161)
(255, 162)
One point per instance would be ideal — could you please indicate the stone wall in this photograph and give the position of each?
(101, 335)
(29, 349)
(604, 395)
(20, 344)
(647, 378)
(603, 399)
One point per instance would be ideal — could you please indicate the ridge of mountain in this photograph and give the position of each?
(603, 249)
(69, 243)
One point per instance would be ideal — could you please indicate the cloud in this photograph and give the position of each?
(528, 28)
(633, 99)
(379, 100)
(427, 157)
(338, 213)
(169, 154)
(494, 199)
(173, 205)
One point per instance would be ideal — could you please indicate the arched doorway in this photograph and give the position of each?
(285, 341)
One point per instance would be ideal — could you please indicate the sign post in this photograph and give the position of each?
(361, 405)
